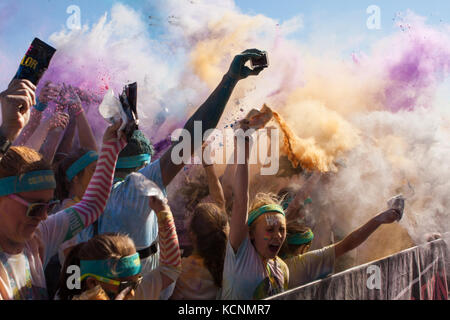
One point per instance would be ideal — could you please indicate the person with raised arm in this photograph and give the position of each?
(28, 236)
(127, 211)
(16, 102)
(252, 269)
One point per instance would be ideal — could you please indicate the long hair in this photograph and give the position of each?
(209, 224)
(62, 184)
(102, 247)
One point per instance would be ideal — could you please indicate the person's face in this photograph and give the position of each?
(14, 224)
(85, 177)
(269, 234)
(113, 289)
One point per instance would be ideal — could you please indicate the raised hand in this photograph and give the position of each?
(16, 102)
(49, 92)
(158, 205)
(112, 134)
(238, 70)
(389, 216)
(58, 120)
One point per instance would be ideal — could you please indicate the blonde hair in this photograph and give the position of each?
(263, 199)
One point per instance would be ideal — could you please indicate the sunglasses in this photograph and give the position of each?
(122, 285)
(35, 209)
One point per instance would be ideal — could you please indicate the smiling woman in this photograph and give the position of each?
(252, 269)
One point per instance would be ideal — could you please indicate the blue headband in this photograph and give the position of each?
(30, 181)
(81, 164)
(132, 162)
(301, 238)
(112, 268)
(252, 216)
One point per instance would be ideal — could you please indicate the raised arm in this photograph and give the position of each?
(360, 235)
(94, 199)
(48, 93)
(239, 217)
(75, 109)
(57, 120)
(210, 112)
(170, 255)
(14, 119)
(65, 147)
(214, 185)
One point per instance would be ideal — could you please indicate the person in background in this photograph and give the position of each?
(110, 262)
(201, 275)
(305, 267)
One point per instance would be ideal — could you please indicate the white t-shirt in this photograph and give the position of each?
(150, 287)
(22, 275)
(246, 278)
(310, 266)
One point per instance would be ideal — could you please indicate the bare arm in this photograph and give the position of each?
(238, 223)
(30, 128)
(48, 149)
(58, 120)
(209, 113)
(70, 98)
(49, 92)
(65, 147)
(214, 185)
(85, 134)
(357, 237)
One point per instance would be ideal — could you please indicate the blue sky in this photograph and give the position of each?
(22, 20)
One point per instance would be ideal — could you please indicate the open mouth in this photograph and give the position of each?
(274, 248)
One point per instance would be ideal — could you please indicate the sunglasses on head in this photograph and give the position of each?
(35, 209)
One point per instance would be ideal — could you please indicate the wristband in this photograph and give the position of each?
(40, 106)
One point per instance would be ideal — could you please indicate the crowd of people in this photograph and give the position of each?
(70, 207)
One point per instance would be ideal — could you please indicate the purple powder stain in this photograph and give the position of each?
(425, 61)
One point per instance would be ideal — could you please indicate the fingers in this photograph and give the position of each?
(256, 71)
(122, 295)
(23, 84)
(257, 51)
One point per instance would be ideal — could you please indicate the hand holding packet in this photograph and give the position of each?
(397, 202)
(113, 109)
(35, 62)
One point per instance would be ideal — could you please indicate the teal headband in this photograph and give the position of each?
(81, 164)
(132, 162)
(112, 269)
(30, 181)
(300, 238)
(252, 216)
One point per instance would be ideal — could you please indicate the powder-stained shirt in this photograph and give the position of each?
(128, 212)
(22, 275)
(246, 278)
(310, 266)
(195, 281)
